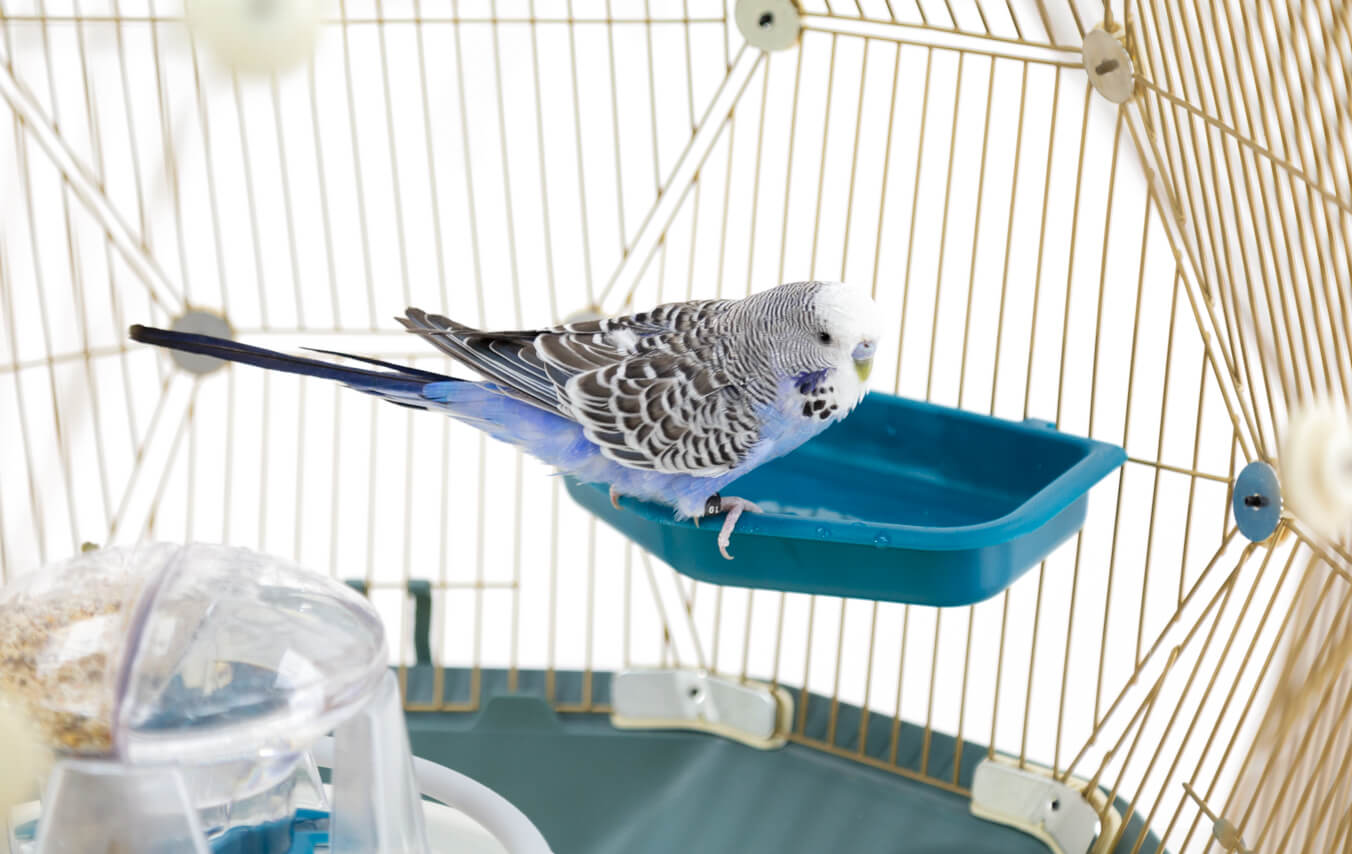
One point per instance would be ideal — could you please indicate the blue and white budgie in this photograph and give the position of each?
(670, 405)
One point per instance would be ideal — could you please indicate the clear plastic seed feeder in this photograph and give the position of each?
(185, 691)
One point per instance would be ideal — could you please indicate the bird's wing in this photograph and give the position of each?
(513, 361)
(671, 409)
(646, 388)
(506, 358)
(669, 317)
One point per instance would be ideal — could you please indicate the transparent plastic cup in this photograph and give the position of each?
(182, 689)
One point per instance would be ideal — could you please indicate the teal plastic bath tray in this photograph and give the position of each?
(903, 502)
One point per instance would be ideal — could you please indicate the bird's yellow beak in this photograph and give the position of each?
(863, 359)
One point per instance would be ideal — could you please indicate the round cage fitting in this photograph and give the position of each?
(1108, 64)
(1257, 502)
(1316, 462)
(257, 36)
(770, 24)
(200, 322)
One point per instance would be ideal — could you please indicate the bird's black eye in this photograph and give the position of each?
(824, 337)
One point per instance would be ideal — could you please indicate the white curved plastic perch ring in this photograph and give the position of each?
(260, 36)
(496, 814)
(1316, 468)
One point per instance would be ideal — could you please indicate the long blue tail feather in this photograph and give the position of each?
(486, 406)
(399, 382)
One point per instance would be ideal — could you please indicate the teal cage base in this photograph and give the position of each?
(595, 789)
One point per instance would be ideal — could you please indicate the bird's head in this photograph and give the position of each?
(845, 328)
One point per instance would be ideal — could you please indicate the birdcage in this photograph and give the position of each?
(1124, 223)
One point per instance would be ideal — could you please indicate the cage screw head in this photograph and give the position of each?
(1257, 503)
(200, 322)
(1108, 64)
(769, 24)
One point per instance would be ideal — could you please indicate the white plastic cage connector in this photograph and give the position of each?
(750, 712)
(1031, 800)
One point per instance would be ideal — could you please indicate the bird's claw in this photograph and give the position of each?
(614, 498)
(734, 508)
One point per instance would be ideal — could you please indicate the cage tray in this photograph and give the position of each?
(903, 501)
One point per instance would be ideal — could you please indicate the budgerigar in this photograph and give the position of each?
(670, 405)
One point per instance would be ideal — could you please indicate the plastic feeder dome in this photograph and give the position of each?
(181, 689)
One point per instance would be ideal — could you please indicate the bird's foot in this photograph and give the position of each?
(614, 498)
(733, 507)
